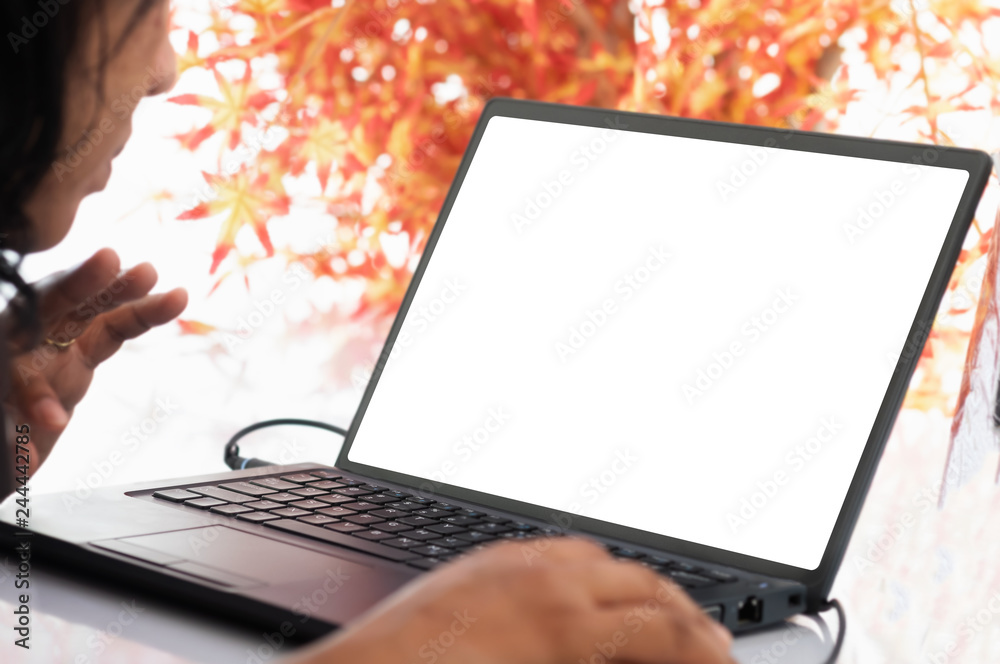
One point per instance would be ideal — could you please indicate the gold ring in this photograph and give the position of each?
(61, 345)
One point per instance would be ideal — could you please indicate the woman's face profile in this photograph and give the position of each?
(95, 130)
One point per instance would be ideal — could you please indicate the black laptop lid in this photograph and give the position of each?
(692, 335)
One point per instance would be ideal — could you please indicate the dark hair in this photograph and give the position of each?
(41, 37)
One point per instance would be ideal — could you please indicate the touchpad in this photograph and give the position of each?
(248, 556)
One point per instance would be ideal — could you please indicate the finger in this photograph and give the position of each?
(616, 582)
(40, 402)
(126, 287)
(114, 328)
(61, 293)
(643, 633)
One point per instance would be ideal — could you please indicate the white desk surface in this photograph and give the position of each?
(78, 621)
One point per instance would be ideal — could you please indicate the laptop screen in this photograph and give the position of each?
(683, 336)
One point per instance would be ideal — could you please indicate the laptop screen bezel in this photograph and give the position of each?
(819, 581)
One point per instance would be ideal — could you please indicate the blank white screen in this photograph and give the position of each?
(605, 428)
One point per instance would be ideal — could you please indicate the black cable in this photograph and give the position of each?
(231, 454)
(841, 628)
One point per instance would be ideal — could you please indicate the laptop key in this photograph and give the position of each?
(257, 517)
(317, 519)
(403, 543)
(175, 495)
(621, 552)
(390, 513)
(363, 519)
(447, 507)
(222, 494)
(380, 499)
(339, 512)
(204, 503)
(472, 513)
(432, 513)
(308, 504)
(398, 495)
(461, 520)
(360, 506)
(446, 528)
(290, 512)
(325, 474)
(496, 519)
(325, 534)
(274, 483)
(451, 543)
(374, 535)
(263, 505)
(247, 488)
(405, 505)
(431, 551)
(283, 497)
(716, 575)
(420, 534)
(517, 534)
(394, 526)
(308, 491)
(688, 580)
(683, 567)
(344, 527)
(475, 536)
(492, 528)
(417, 521)
(334, 499)
(353, 491)
(325, 485)
(229, 510)
(299, 478)
(526, 527)
(349, 482)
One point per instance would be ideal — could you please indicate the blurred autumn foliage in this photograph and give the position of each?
(376, 100)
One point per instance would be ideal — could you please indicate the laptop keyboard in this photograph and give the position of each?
(403, 527)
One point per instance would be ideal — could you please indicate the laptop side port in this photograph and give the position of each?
(750, 610)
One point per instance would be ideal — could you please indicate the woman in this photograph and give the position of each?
(70, 71)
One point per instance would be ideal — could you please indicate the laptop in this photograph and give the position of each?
(687, 340)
